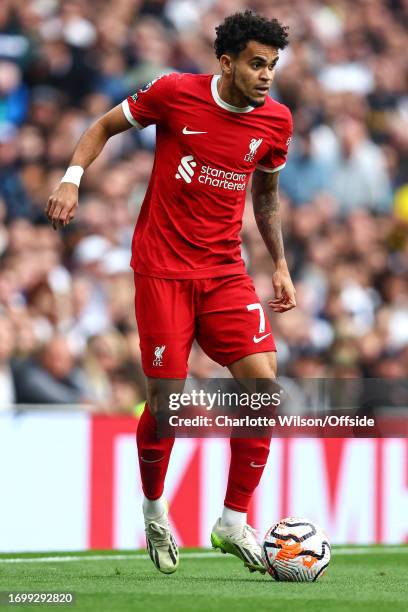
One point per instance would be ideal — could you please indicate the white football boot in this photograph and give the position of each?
(239, 540)
(161, 545)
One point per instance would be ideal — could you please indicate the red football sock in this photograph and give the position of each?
(248, 460)
(154, 455)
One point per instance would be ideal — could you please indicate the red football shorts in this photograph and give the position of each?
(223, 314)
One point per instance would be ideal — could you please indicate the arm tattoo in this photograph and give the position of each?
(265, 199)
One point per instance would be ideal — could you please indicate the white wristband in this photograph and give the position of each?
(73, 175)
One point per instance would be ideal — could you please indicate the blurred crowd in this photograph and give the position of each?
(67, 326)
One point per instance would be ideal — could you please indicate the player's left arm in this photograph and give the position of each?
(265, 197)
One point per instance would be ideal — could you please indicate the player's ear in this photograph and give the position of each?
(226, 64)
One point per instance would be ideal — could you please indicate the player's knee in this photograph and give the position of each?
(272, 365)
(272, 371)
(159, 391)
(269, 367)
(152, 395)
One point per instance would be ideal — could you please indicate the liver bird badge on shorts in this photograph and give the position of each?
(158, 355)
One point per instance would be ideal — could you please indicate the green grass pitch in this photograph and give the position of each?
(370, 579)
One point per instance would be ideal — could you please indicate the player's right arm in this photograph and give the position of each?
(63, 203)
(148, 106)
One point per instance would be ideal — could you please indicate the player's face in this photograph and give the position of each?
(252, 72)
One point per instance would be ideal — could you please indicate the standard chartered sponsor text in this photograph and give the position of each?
(216, 177)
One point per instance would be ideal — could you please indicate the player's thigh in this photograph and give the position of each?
(165, 316)
(257, 365)
(232, 324)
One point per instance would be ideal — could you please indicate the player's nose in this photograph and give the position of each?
(266, 76)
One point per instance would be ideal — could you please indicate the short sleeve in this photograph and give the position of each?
(275, 158)
(148, 104)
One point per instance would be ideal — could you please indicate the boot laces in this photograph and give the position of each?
(248, 537)
(159, 534)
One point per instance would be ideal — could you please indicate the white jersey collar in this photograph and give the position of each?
(220, 101)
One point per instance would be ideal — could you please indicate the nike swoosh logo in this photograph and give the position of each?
(151, 460)
(256, 340)
(187, 131)
(252, 464)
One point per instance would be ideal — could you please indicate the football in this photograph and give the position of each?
(296, 550)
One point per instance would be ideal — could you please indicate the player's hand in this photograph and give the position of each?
(62, 205)
(284, 290)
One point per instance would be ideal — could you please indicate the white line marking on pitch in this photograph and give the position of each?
(69, 558)
(186, 555)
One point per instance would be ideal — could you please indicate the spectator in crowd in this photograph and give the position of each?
(12, 189)
(51, 377)
(306, 175)
(13, 94)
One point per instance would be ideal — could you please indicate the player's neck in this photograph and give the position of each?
(229, 95)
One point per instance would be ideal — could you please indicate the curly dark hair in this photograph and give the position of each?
(238, 29)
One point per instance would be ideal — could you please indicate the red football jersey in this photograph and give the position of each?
(206, 151)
